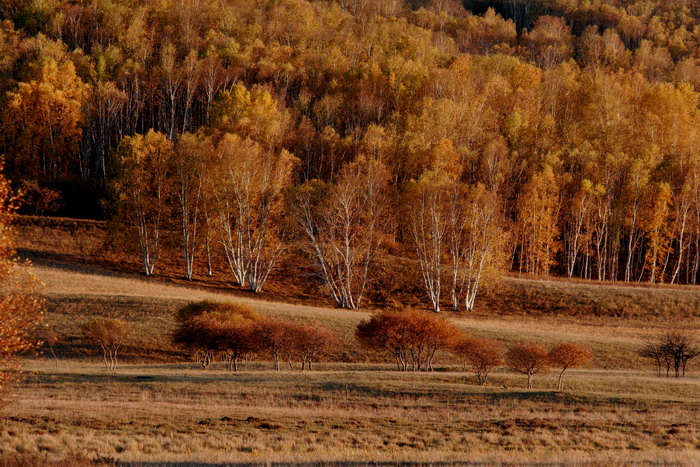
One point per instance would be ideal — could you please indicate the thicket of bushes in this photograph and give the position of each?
(237, 332)
(413, 338)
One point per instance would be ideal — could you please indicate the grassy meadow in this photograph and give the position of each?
(160, 406)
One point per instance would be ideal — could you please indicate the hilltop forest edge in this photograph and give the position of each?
(536, 136)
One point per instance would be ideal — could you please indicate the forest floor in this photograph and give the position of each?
(159, 406)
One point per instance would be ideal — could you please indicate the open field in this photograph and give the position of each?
(160, 406)
(178, 412)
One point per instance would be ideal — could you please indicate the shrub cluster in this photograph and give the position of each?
(412, 338)
(237, 332)
(672, 349)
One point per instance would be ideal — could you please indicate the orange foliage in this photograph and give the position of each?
(20, 309)
(568, 355)
(482, 354)
(528, 359)
(411, 337)
(109, 334)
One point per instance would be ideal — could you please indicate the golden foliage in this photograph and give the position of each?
(43, 122)
(20, 308)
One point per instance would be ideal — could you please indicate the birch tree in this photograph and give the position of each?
(537, 228)
(637, 190)
(342, 225)
(658, 233)
(190, 165)
(248, 183)
(143, 190)
(427, 210)
(578, 220)
(477, 241)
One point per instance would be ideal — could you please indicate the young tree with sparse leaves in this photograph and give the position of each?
(109, 334)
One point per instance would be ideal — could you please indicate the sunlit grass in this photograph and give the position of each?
(340, 413)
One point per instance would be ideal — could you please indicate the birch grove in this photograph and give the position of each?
(342, 225)
(249, 181)
(459, 237)
(573, 127)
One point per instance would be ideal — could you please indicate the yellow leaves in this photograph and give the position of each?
(481, 34)
(144, 187)
(525, 76)
(253, 113)
(513, 127)
(659, 231)
(43, 120)
(537, 228)
(444, 158)
(145, 154)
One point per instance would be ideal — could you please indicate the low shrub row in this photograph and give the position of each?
(411, 338)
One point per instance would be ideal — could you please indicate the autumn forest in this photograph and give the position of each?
(538, 136)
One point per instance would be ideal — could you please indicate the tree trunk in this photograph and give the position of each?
(104, 356)
(560, 383)
(54, 355)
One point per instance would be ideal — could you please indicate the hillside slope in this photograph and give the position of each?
(82, 245)
(76, 294)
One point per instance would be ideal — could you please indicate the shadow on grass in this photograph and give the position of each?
(309, 464)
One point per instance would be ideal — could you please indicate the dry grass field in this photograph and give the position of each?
(160, 406)
(343, 413)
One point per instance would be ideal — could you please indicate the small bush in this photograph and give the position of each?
(206, 327)
(482, 355)
(528, 359)
(673, 349)
(109, 334)
(411, 337)
(568, 355)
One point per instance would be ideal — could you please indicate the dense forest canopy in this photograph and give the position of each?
(578, 118)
